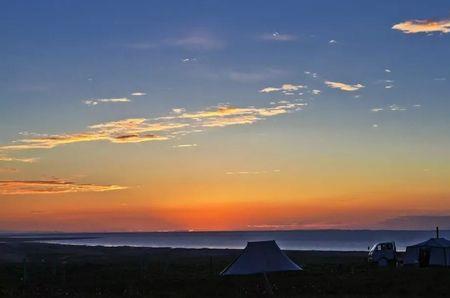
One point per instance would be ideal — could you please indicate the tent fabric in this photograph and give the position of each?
(260, 257)
(438, 249)
(434, 242)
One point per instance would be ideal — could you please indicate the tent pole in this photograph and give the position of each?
(446, 257)
(267, 284)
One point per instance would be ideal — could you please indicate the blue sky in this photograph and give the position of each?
(68, 65)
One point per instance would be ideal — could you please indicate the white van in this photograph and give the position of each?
(383, 254)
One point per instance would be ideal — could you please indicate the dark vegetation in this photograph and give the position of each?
(45, 270)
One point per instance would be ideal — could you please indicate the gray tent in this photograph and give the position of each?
(260, 257)
(433, 252)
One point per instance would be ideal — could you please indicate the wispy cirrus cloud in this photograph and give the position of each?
(189, 60)
(133, 130)
(423, 26)
(283, 88)
(33, 187)
(94, 102)
(314, 75)
(136, 130)
(277, 36)
(18, 159)
(228, 115)
(393, 108)
(178, 110)
(199, 40)
(184, 146)
(344, 86)
(253, 172)
(138, 93)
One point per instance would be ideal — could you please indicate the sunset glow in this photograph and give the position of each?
(205, 115)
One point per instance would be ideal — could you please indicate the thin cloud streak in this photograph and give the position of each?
(137, 130)
(184, 146)
(34, 187)
(17, 159)
(199, 40)
(423, 26)
(393, 108)
(283, 88)
(94, 102)
(343, 86)
(204, 41)
(277, 36)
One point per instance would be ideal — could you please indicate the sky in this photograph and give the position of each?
(224, 115)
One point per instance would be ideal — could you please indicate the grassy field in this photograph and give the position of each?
(44, 270)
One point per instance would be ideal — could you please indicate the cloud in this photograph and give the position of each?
(244, 173)
(184, 146)
(188, 60)
(197, 41)
(229, 115)
(283, 88)
(393, 108)
(315, 92)
(423, 26)
(314, 75)
(137, 130)
(21, 187)
(178, 110)
(277, 36)
(138, 93)
(343, 86)
(16, 159)
(252, 172)
(377, 110)
(133, 130)
(94, 102)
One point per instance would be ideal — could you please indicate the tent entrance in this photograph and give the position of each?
(424, 257)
